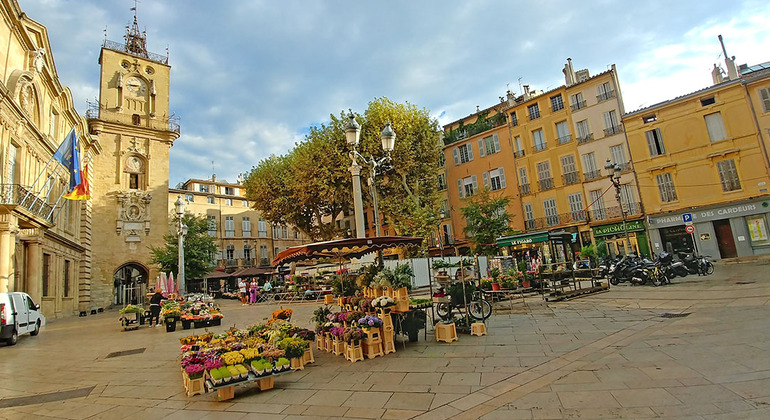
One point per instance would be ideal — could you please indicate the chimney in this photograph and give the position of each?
(511, 98)
(526, 91)
(569, 73)
(716, 75)
(732, 71)
(213, 177)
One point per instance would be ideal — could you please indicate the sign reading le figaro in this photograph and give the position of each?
(706, 215)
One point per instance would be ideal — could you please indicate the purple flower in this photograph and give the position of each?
(371, 322)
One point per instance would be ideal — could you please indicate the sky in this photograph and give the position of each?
(249, 78)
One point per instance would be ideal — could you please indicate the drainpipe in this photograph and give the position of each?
(515, 169)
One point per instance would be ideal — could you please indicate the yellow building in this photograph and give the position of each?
(45, 241)
(244, 239)
(702, 158)
(546, 151)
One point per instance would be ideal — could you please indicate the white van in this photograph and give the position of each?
(18, 315)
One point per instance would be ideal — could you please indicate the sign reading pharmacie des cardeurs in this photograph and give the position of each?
(631, 226)
(706, 214)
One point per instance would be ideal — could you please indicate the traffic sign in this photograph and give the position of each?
(689, 228)
(687, 217)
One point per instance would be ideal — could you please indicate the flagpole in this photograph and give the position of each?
(72, 133)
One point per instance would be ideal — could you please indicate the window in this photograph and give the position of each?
(764, 97)
(366, 220)
(212, 225)
(707, 101)
(190, 198)
(66, 285)
(556, 103)
(136, 119)
(262, 228)
(229, 191)
(494, 179)
(462, 154)
(599, 211)
(611, 123)
(203, 188)
(244, 203)
(444, 209)
(519, 147)
(228, 201)
(655, 142)
(441, 182)
(569, 170)
(46, 274)
(534, 111)
(649, 118)
(583, 131)
(523, 182)
(133, 181)
(275, 251)
(229, 226)
(467, 186)
(246, 226)
(489, 145)
(53, 129)
(605, 92)
(447, 230)
(296, 233)
(551, 214)
(263, 257)
(577, 101)
(627, 201)
(666, 187)
(618, 154)
(715, 126)
(728, 175)
(538, 140)
(544, 175)
(514, 120)
(230, 254)
(211, 200)
(562, 130)
(529, 216)
(247, 253)
(576, 206)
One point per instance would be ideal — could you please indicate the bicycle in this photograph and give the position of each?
(478, 307)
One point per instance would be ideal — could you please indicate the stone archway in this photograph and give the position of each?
(130, 284)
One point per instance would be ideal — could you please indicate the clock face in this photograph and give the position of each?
(136, 86)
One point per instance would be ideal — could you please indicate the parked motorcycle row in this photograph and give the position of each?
(638, 270)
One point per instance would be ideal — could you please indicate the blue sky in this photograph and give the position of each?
(250, 77)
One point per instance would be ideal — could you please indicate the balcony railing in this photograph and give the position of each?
(95, 111)
(248, 262)
(546, 184)
(524, 188)
(539, 146)
(625, 166)
(598, 214)
(530, 224)
(615, 129)
(605, 96)
(586, 138)
(552, 220)
(570, 178)
(578, 216)
(519, 153)
(123, 47)
(592, 175)
(231, 262)
(565, 139)
(631, 209)
(16, 195)
(578, 105)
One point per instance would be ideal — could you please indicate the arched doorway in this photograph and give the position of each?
(130, 284)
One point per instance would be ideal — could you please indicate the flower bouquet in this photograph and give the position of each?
(383, 302)
(370, 322)
(131, 309)
(293, 347)
(194, 370)
(353, 335)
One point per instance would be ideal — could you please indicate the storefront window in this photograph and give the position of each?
(674, 240)
(758, 230)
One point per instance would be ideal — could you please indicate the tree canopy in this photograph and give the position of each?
(312, 182)
(199, 249)
(486, 219)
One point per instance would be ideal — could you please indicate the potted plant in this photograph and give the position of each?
(370, 322)
(353, 335)
(440, 267)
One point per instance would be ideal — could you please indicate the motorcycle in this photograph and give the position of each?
(667, 265)
(695, 264)
(630, 269)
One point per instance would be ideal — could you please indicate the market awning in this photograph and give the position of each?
(252, 271)
(344, 248)
(523, 238)
(217, 275)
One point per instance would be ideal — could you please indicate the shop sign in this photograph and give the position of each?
(605, 230)
(706, 215)
(705, 236)
(512, 241)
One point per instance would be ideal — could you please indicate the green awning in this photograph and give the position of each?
(524, 238)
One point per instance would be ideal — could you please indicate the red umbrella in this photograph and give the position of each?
(344, 248)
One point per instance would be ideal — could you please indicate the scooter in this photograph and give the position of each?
(630, 269)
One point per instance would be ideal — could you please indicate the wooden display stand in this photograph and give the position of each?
(446, 332)
(329, 299)
(372, 345)
(320, 342)
(328, 341)
(308, 356)
(297, 363)
(353, 352)
(388, 343)
(478, 329)
(193, 386)
(338, 347)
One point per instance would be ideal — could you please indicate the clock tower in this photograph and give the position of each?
(130, 178)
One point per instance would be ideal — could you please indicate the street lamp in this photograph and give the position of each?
(613, 171)
(181, 231)
(352, 136)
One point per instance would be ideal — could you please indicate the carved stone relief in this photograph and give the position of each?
(133, 214)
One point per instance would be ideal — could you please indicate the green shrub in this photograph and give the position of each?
(216, 374)
(224, 372)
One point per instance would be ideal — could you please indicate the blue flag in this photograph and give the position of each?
(68, 154)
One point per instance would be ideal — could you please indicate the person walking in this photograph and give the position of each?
(242, 290)
(254, 292)
(155, 307)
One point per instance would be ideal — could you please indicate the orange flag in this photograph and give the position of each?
(82, 190)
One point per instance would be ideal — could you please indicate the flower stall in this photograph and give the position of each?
(219, 362)
(200, 314)
(130, 317)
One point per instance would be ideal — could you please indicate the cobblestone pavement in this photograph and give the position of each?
(695, 349)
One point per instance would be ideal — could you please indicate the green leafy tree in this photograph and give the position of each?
(487, 219)
(199, 249)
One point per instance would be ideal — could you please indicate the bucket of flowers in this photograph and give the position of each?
(383, 303)
(353, 335)
(370, 322)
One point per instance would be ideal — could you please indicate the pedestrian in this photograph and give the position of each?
(242, 290)
(155, 307)
(267, 287)
(254, 291)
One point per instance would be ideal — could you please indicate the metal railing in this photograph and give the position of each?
(529, 224)
(586, 138)
(605, 96)
(546, 184)
(565, 139)
(578, 105)
(615, 129)
(570, 178)
(552, 220)
(519, 153)
(17, 195)
(625, 166)
(122, 47)
(96, 111)
(592, 174)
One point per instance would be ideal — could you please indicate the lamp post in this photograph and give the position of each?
(613, 171)
(181, 231)
(352, 136)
